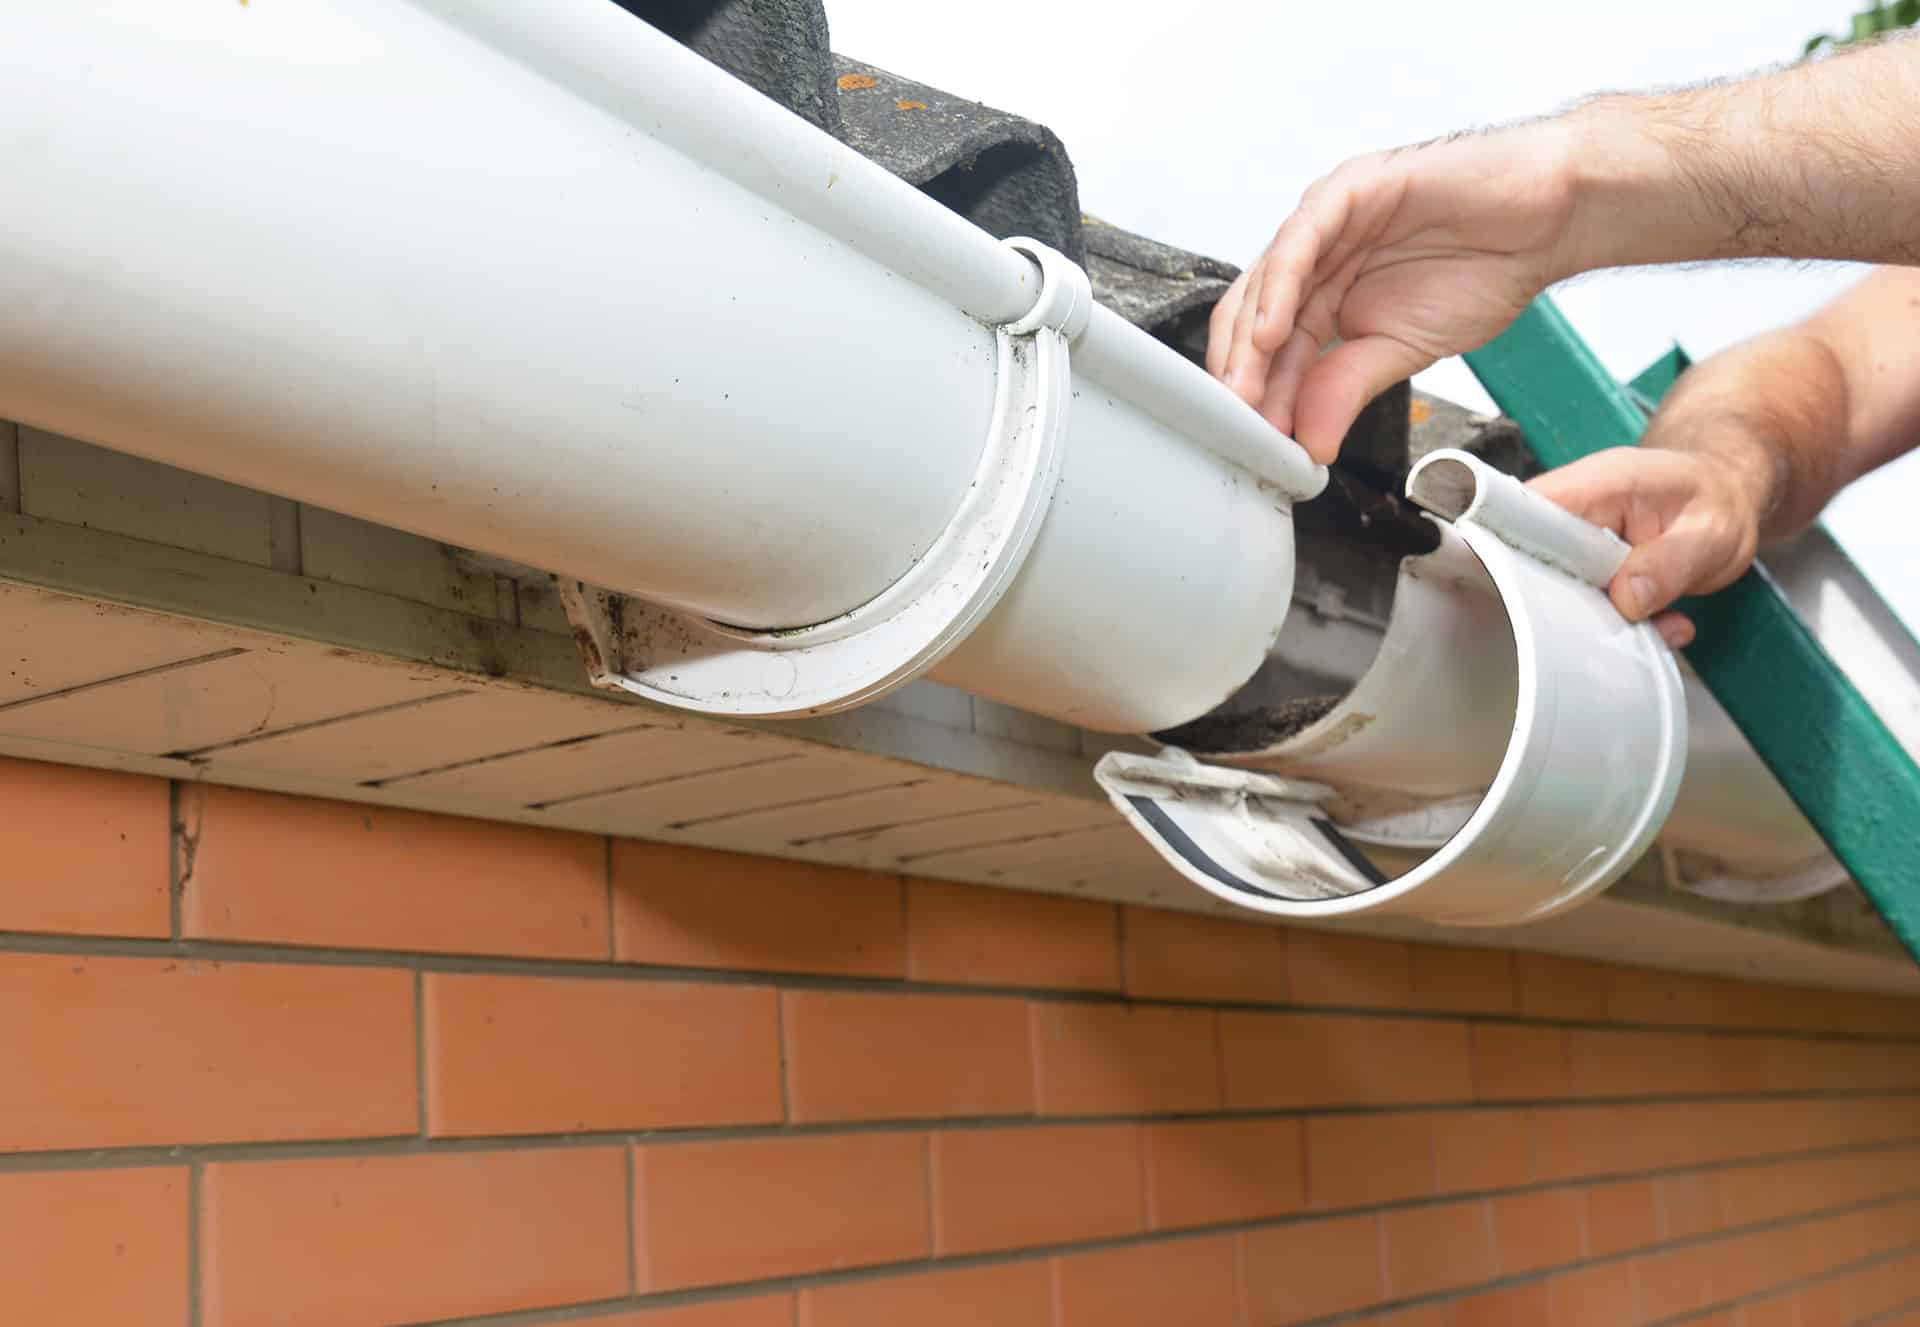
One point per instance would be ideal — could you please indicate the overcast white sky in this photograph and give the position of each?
(1200, 123)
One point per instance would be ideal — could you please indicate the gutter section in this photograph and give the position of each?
(538, 281)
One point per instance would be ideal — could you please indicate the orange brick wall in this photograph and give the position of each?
(273, 1061)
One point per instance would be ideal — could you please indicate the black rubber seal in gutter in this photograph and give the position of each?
(1181, 842)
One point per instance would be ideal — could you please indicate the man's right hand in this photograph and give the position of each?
(1693, 520)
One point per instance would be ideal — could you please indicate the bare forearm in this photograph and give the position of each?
(1812, 161)
(1795, 415)
(1873, 334)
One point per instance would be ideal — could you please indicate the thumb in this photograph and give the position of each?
(1685, 556)
(1341, 382)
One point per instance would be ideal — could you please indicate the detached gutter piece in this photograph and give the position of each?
(1513, 749)
(691, 662)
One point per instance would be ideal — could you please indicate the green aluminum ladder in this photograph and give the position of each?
(1809, 723)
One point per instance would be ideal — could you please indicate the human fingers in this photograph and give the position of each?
(1247, 364)
(1676, 629)
(1290, 365)
(1689, 529)
(1220, 326)
(1299, 251)
(1337, 386)
(1628, 490)
(1701, 550)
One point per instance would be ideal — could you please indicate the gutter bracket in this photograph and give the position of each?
(1580, 716)
(689, 662)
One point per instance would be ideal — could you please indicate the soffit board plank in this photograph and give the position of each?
(562, 772)
(218, 700)
(912, 801)
(1032, 816)
(713, 799)
(465, 727)
(54, 642)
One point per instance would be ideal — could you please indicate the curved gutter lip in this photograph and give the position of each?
(1589, 710)
(594, 51)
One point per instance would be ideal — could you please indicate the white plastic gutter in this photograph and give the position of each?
(536, 280)
(1514, 747)
(533, 279)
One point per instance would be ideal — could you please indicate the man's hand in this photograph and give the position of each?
(1751, 444)
(1693, 520)
(1405, 257)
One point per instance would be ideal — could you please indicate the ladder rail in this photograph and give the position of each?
(1838, 760)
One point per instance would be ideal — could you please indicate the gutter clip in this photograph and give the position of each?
(690, 662)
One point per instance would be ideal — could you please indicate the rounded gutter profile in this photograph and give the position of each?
(1515, 746)
(552, 287)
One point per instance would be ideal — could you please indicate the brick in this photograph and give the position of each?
(1193, 1282)
(372, 1241)
(1745, 1264)
(758, 1311)
(1430, 1249)
(854, 1055)
(96, 861)
(1752, 1194)
(123, 1052)
(1737, 1066)
(1009, 1295)
(1621, 1217)
(1481, 1150)
(1689, 1206)
(1454, 980)
(1428, 1315)
(1360, 1160)
(298, 870)
(974, 936)
(1575, 1142)
(1569, 989)
(1646, 995)
(1011, 1188)
(1103, 1059)
(1513, 1062)
(1674, 1281)
(1296, 1273)
(512, 1055)
(747, 1209)
(1606, 1063)
(1210, 1171)
(1184, 956)
(1535, 1231)
(1517, 1306)
(90, 1247)
(1598, 1296)
(1291, 1060)
(689, 907)
(1349, 970)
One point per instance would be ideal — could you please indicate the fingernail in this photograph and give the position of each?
(1640, 594)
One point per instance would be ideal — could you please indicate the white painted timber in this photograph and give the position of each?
(790, 779)
(218, 700)
(456, 727)
(561, 771)
(79, 484)
(53, 642)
